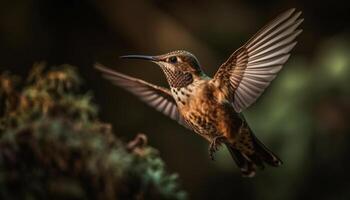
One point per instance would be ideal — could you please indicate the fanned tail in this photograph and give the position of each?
(265, 154)
(245, 165)
(249, 163)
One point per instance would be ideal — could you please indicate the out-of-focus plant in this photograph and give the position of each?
(52, 146)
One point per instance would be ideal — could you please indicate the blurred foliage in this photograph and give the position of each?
(52, 145)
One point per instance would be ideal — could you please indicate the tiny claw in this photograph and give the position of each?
(214, 146)
(211, 152)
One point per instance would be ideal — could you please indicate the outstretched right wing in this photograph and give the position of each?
(249, 70)
(158, 97)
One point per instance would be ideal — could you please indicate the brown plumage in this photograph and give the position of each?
(212, 107)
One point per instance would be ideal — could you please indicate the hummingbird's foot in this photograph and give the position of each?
(214, 145)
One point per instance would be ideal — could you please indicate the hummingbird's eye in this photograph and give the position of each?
(173, 59)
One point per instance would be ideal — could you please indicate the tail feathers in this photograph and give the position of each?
(246, 165)
(249, 163)
(265, 154)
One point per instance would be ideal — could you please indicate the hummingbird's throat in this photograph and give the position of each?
(177, 78)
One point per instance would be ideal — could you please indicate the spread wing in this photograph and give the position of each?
(158, 97)
(250, 69)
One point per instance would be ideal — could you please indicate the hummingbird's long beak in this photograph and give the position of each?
(140, 57)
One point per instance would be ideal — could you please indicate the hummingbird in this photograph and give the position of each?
(212, 107)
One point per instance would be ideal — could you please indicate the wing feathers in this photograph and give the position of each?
(155, 96)
(252, 67)
(273, 52)
(269, 27)
(281, 31)
(275, 61)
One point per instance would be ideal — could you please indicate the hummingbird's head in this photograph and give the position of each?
(181, 68)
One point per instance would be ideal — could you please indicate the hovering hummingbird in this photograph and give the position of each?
(212, 107)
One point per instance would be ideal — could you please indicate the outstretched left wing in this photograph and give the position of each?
(250, 69)
(158, 97)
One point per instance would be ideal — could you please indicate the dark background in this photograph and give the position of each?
(303, 116)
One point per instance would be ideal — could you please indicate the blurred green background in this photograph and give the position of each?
(303, 116)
